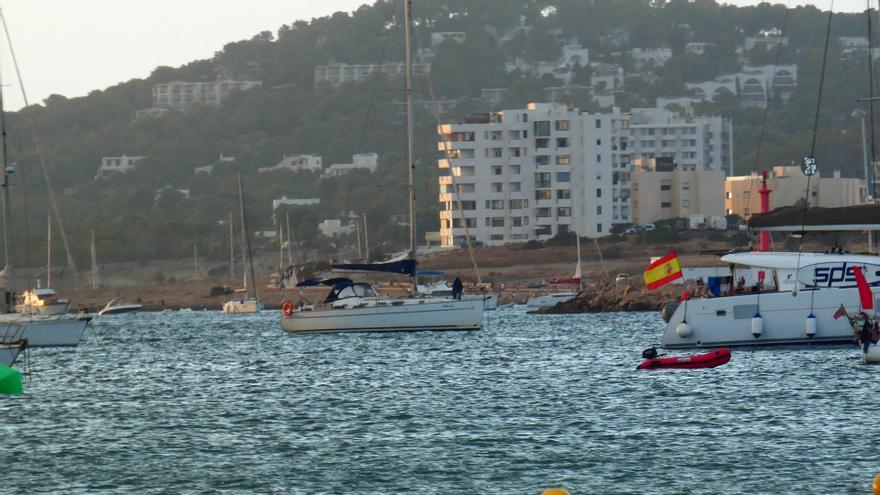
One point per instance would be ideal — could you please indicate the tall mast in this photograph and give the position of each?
(7, 229)
(289, 239)
(250, 285)
(49, 252)
(231, 248)
(280, 246)
(411, 198)
(195, 261)
(366, 241)
(357, 233)
(94, 263)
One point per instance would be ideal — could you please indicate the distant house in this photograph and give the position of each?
(112, 165)
(209, 169)
(650, 57)
(360, 161)
(697, 48)
(332, 227)
(439, 37)
(295, 163)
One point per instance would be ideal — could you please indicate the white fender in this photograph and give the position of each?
(810, 326)
(683, 330)
(757, 325)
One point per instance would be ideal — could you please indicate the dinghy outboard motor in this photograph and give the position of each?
(650, 353)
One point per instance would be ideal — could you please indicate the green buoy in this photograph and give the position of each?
(10, 380)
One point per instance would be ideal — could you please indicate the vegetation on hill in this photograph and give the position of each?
(289, 114)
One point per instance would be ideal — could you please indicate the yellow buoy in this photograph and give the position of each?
(875, 486)
(562, 491)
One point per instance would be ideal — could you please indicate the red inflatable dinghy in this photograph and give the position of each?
(707, 360)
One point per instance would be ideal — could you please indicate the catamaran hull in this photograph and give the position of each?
(49, 332)
(727, 321)
(445, 315)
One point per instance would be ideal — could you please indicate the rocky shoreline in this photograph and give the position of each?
(610, 297)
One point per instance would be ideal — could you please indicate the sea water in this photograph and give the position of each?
(201, 402)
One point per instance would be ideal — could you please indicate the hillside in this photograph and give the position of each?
(290, 114)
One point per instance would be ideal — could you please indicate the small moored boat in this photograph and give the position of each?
(708, 360)
(115, 306)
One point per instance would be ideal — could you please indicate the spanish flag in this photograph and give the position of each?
(663, 271)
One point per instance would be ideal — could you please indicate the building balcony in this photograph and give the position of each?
(454, 145)
(457, 162)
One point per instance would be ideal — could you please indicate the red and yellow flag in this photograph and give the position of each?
(663, 271)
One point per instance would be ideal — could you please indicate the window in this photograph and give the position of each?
(665, 187)
(471, 223)
(494, 204)
(544, 230)
(543, 212)
(598, 193)
(598, 142)
(514, 152)
(562, 125)
(598, 158)
(516, 221)
(542, 128)
(665, 204)
(496, 153)
(542, 194)
(514, 170)
(685, 186)
(598, 124)
(563, 159)
(497, 221)
(542, 179)
(519, 204)
(562, 142)
(525, 134)
(563, 176)
(468, 205)
(727, 195)
(525, 117)
(542, 160)
(497, 187)
(497, 170)
(685, 203)
(598, 210)
(598, 227)
(496, 237)
(515, 186)
(563, 194)
(542, 143)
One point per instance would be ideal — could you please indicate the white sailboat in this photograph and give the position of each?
(44, 300)
(554, 298)
(37, 330)
(356, 307)
(246, 299)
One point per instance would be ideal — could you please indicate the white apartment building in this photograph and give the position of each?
(112, 165)
(181, 95)
(336, 74)
(285, 201)
(532, 173)
(693, 143)
(295, 163)
(755, 85)
(360, 161)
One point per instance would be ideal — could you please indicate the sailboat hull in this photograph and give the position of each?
(9, 353)
(242, 307)
(410, 316)
(46, 332)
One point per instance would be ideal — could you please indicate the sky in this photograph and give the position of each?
(71, 47)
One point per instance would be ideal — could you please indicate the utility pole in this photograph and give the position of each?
(366, 240)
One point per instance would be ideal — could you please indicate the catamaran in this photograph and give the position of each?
(797, 293)
(357, 307)
(245, 300)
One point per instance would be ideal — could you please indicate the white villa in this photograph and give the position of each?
(295, 163)
(112, 165)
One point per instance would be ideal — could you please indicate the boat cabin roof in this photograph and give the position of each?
(791, 260)
(347, 288)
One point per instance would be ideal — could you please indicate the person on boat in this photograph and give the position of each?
(457, 288)
(865, 334)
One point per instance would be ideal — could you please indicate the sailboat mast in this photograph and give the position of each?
(411, 198)
(49, 252)
(231, 248)
(250, 285)
(366, 241)
(94, 263)
(7, 229)
(289, 239)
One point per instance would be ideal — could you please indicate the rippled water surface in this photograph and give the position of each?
(199, 402)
